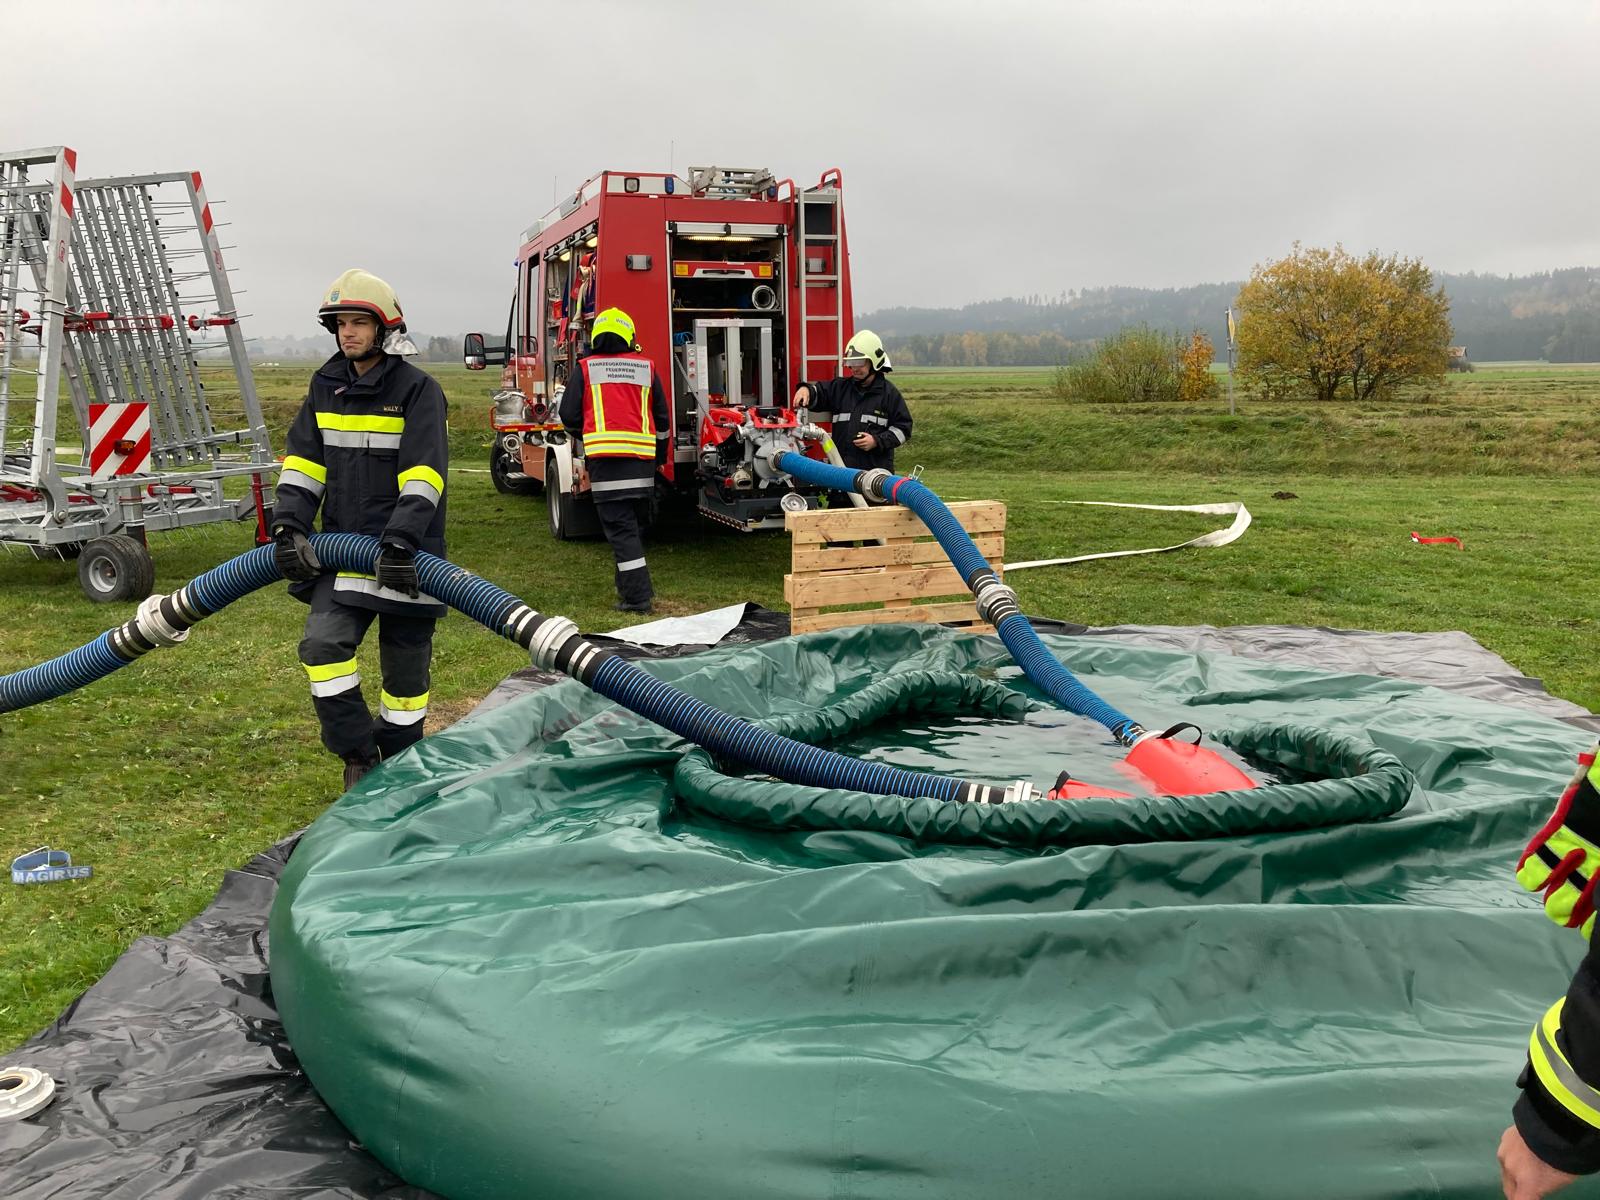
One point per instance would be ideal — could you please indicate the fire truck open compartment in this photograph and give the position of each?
(738, 286)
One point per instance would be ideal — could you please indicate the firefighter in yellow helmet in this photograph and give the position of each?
(368, 449)
(616, 407)
(869, 415)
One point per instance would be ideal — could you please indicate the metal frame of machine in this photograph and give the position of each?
(130, 287)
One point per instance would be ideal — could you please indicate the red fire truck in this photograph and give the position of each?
(738, 284)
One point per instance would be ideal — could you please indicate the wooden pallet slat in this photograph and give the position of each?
(898, 569)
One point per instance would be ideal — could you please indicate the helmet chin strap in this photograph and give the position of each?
(376, 349)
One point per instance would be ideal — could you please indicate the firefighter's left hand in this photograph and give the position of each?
(865, 441)
(397, 569)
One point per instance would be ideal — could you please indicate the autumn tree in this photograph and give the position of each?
(1329, 324)
(1195, 355)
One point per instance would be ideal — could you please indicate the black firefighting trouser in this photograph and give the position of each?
(622, 521)
(328, 653)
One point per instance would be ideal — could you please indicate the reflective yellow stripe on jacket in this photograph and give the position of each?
(1557, 1074)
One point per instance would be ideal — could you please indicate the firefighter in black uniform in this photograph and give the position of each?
(368, 447)
(869, 415)
(1556, 1132)
(616, 406)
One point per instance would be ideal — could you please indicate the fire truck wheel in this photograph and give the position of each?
(560, 505)
(507, 475)
(116, 568)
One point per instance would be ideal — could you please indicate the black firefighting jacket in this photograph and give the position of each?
(878, 409)
(372, 453)
(1558, 1113)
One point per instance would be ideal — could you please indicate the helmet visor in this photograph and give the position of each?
(852, 361)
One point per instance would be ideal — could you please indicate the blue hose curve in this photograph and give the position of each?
(996, 601)
(554, 642)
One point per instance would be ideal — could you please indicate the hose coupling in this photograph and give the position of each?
(995, 600)
(153, 625)
(548, 638)
(872, 484)
(1019, 791)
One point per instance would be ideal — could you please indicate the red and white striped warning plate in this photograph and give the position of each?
(119, 439)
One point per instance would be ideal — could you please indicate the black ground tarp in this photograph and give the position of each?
(175, 1077)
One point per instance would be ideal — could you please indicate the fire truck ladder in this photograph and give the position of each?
(730, 182)
(127, 286)
(817, 219)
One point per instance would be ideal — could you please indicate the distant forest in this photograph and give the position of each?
(1553, 316)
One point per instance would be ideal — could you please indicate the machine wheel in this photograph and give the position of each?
(116, 568)
(507, 477)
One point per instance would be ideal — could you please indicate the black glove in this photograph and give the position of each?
(397, 568)
(291, 550)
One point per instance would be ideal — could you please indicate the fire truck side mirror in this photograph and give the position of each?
(477, 356)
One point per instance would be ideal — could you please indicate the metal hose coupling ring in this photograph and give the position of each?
(23, 1092)
(995, 600)
(871, 483)
(548, 638)
(154, 626)
(1019, 791)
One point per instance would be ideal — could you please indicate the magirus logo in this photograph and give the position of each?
(45, 865)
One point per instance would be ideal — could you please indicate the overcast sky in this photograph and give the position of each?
(989, 148)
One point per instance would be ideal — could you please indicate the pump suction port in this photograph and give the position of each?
(1175, 767)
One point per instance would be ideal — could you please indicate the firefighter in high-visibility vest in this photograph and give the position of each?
(616, 405)
(369, 449)
(1555, 1136)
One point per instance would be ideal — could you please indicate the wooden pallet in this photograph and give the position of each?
(896, 577)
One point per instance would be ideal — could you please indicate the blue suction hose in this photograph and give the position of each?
(997, 603)
(553, 643)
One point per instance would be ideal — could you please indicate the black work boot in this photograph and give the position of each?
(356, 766)
(638, 606)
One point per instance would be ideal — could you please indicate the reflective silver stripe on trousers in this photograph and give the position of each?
(617, 485)
(633, 564)
(421, 487)
(1564, 1072)
(370, 587)
(401, 716)
(300, 480)
(360, 439)
(332, 687)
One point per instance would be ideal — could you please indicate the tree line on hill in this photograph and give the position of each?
(1554, 315)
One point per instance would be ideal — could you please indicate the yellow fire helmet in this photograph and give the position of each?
(361, 291)
(867, 347)
(612, 320)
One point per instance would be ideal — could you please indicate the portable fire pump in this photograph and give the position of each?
(738, 284)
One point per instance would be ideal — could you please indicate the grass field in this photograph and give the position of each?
(188, 762)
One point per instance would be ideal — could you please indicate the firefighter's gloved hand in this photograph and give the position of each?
(291, 550)
(397, 568)
(1563, 860)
